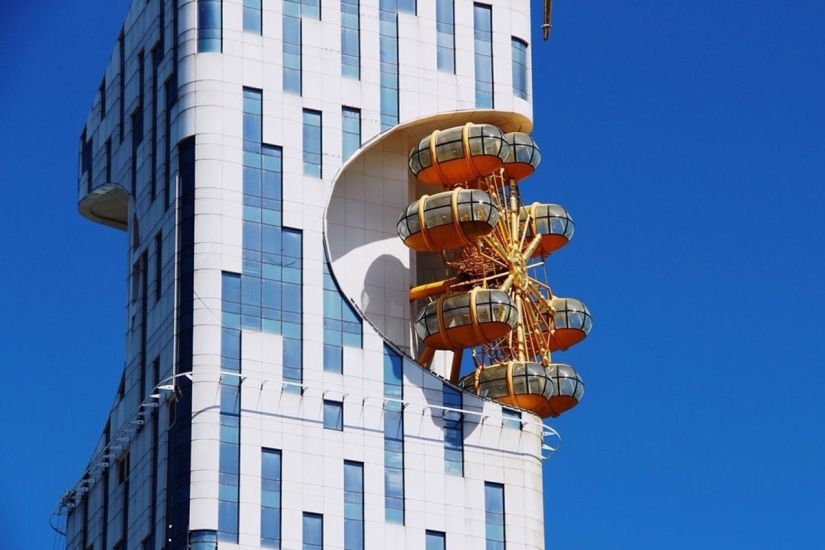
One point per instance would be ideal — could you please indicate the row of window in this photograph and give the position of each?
(209, 40)
(351, 117)
(312, 528)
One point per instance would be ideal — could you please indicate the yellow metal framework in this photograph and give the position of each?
(502, 260)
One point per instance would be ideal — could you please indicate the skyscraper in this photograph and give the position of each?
(257, 153)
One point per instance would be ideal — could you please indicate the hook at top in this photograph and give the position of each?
(548, 15)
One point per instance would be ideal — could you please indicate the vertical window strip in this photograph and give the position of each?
(388, 45)
(153, 464)
(141, 78)
(393, 438)
(519, 67)
(270, 498)
(294, 10)
(252, 17)
(104, 535)
(86, 160)
(137, 137)
(108, 160)
(102, 91)
(453, 433)
(312, 143)
(144, 315)
(494, 507)
(179, 433)
(351, 127)
(157, 54)
(171, 95)
(272, 278)
(313, 531)
(230, 410)
(483, 33)
(210, 25)
(292, 47)
(158, 265)
(342, 326)
(292, 316)
(122, 82)
(353, 505)
(175, 40)
(445, 35)
(350, 39)
(124, 471)
(137, 123)
(162, 28)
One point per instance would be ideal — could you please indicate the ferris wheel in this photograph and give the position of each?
(495, 300)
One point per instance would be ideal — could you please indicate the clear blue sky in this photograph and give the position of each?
(688, 141)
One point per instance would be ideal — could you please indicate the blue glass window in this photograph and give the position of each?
(209, 25)
(252, 16)
(294, 10)
(453, 433)
(158, 266)
(512, 419)
(137, 125)
(157, 56)
(311, 9)
(393, 438)
(121, 51)
(445, 35)
(435, 540)
(203, 540)
(229, 461)
(388, 54)
(312, 143)
(519, 68)
(86, 160)
(350, 39)
(333, 415)
(407, 6)
(272, 256)
(353, 505)
(270, 498)
(292, 47)
(313, 531)
(108, 153)
(342, 326)
(102, 91)
(351, 130)
(170, 91)
(483, 33)
(494, 508)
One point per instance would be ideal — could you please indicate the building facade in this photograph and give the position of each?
(256, 152)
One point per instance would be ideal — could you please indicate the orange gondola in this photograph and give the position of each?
(545, 391)
(459, 155)
(524, 156)
(572, 323)
(552, 222)
(447, 220)
(466, 319)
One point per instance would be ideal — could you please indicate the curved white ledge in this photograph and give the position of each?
(107, 204)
